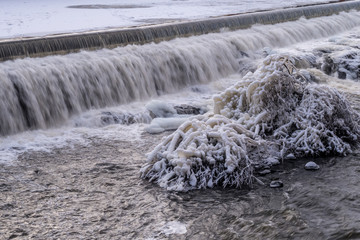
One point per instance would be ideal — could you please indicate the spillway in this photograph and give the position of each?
(64, 43)
(44, 92)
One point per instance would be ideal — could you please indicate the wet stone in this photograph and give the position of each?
(113, 118)
(264, 172)
(276, 184)
(328, 66)
(290, 156)
(311, 166)
(341, 75)
(188, 109)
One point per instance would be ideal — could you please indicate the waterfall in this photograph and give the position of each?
(44, 92)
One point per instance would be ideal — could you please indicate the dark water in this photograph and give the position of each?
(95, 192)
(321, 204)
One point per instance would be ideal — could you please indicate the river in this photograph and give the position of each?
(70, 157)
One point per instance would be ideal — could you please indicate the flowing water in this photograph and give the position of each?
(70, 166)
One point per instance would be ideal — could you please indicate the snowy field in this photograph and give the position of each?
(40, 17)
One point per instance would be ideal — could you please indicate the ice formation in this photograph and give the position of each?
(203, 152)
(166, 117)
(160, 109)
(279, 104)
(267, 115)
(159, 125)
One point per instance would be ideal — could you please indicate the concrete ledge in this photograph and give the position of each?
(65, 43)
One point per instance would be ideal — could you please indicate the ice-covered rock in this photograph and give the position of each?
(160, 109)
(343, 64)
(290, 156)
(311, 166)
(276, 184)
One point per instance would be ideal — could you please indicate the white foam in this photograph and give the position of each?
(174, 227)
(47, 140)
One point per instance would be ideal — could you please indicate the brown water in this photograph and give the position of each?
(95, 192)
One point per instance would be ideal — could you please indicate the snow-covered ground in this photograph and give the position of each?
(23, 18)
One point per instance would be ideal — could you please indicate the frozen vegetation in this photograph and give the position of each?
(269, 115)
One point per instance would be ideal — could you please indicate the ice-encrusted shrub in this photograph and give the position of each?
(269, 113)
(262, 100)
(204, 152)
(277, 103)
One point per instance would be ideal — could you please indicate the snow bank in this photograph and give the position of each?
(270, 114)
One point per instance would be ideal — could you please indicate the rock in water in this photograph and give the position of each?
(264, 172)
(311, 166)
(276, 184)
(188, 109)
(290, 156)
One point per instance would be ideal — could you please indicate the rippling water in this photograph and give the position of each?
(92, 192)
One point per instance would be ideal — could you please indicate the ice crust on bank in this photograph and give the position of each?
(269, 114)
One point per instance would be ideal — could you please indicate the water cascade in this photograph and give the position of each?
(64, 43)
(44, 92)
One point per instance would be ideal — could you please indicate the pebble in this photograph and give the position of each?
(311, 166)
(276, 184)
